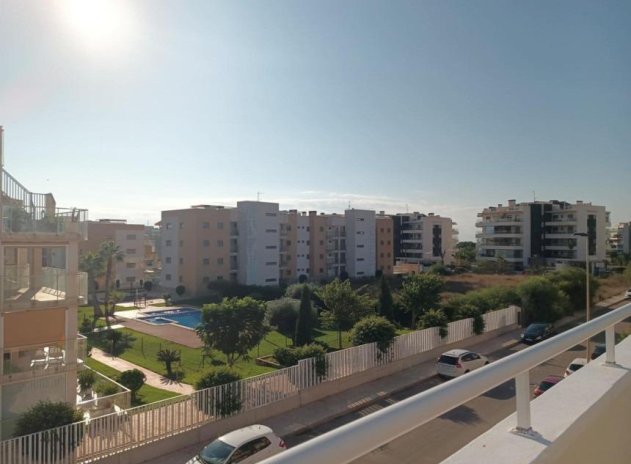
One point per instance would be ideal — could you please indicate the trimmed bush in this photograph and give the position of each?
(374, 329)
(285, 356)
(86, 379)
(226, 403)
(434, 318)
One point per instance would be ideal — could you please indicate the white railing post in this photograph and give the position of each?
(610, 343)
(522, 398)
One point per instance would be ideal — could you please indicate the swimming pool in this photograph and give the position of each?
(186, 317)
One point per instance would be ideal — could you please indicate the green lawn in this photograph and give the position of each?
(147, 394)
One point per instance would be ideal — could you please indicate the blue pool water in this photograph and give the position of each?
(187, 317)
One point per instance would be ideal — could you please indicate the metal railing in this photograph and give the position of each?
(351, 441)
(26, 361)
(145, 424)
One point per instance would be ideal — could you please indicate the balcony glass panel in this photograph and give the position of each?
(23, 289)
(44, 359)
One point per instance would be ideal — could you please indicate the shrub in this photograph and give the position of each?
(317, 352)
(374, 329)
(86, 379)
(133, 379)
(434, 318)
(226, 403)
(283, 314)
(50, 445)
(105, 388)
(285, 356)
(180, 289)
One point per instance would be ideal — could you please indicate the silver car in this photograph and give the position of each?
(457, 362)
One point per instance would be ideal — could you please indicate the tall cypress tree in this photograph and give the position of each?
(386, 304)
(304, 324)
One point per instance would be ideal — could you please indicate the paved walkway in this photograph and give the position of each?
(153, 379)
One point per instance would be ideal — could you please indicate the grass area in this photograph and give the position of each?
(147, 394)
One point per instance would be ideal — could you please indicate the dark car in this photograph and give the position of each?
(536, 332)
(599, 349)
(547, 383)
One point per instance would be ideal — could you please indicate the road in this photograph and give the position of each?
(443, 436)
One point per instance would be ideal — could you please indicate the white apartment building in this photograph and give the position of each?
(258, 224)
(360, 243)
(424, 239)
(620, 238)
(542, 232)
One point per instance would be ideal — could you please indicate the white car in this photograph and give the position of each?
(628, 293)
(244, 446)
(575, 365)
(457, 362)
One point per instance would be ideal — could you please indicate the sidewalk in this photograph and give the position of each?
(153, 379)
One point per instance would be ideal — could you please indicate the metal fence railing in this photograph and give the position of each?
(125, 429)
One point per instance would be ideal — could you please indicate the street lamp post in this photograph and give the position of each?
(586, 235)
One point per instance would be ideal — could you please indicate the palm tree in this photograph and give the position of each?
(92, 264)
(109, 253)
(168, 356)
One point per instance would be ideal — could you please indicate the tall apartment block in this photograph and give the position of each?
(130, 238)
(424, 239)
(620, 238)
(41, 287)
(384, 243)
(542, 232)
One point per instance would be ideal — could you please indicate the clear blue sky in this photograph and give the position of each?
(436, 106)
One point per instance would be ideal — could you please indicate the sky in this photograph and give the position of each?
(128, 108)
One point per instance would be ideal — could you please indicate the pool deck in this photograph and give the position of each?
(171, 332)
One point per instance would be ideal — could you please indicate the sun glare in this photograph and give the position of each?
(98, 24)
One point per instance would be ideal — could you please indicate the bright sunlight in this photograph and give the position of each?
(103, 25)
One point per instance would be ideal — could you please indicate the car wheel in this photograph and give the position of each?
(467, 371)
(486, 363)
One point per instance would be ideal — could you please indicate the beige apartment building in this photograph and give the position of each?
(38, 306)
(130, 239)
(198, 246)
(384, 243)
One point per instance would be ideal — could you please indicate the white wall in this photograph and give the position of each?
(360, 242)
(169, 234)
(259, 236)
(302, 246)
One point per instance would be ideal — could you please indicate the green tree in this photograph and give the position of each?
(133, 379)
(86, 379)
(386, 303)
(304, 324)
(114, 337)
(541, 300)
(465, 253)
(46, 416)
(344, 307)
(234, 326)
(374, 329)
(571, 281)
(420, 293)
(434, 318)
(92, 264)
(109, 253)
(168, 357)
(229, 401)
(180, 289)
(283, 315)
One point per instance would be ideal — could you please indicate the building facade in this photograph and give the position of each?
(130, 239)
(521, 235)
(620, 238)
(384, 243)
(39, 255)
(423, 239)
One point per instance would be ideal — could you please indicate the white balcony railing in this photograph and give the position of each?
(353, 440)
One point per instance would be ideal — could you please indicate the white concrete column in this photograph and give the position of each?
(522, 398)
(610, 343)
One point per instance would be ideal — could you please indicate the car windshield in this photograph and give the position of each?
(575, 367)
(216, 452)
(534, 329)
(444, 359)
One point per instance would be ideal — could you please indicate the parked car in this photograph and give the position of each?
(244, 446)
(536, 332)
(457, 362)
(628, 294)
(547, 383)
(575, 365)
(599, 349)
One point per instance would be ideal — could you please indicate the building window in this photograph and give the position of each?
(270, 214)
(181, 242)
(205, 279)
(360, 259)
(388, 255)
(131, 236)
(130, 251)
(181, 260)
(271, 231)
(382, 255)
(271, 280)
(130, 280)
(168, 243)
(270, 247)
(206, 243)
(167, 260)
(181, 279)
(131, 265)
(167, 277)
(206, 261)
(219, 260)
(205, 225)
(360, 246)
(219, 277)
(321, 256)
(220, 225)
(382, 230)
(389, 242)
(220, 243)
(321, 229)
(381, 242)
(169, 225)
(271, 263)
(360, 273)
(321, 242)
(360, 219)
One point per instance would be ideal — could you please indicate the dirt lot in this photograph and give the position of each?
(462, 283)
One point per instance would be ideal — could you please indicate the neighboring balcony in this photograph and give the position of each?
(50, 288)
(24, 362)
